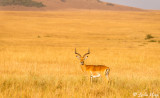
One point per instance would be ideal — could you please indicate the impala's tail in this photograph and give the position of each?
(107, 73)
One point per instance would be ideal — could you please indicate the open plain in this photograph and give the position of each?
(37, 56)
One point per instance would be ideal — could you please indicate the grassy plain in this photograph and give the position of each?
(37, 57)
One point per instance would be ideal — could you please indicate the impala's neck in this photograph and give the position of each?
(83, 67)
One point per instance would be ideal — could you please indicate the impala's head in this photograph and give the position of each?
(82, 58)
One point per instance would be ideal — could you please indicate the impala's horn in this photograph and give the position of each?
(77, 53)
(86, 53)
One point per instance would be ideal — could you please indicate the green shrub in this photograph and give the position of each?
(110, 4)
(149, 36)
(63, 0)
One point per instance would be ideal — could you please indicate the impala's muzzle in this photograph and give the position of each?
(82, 62)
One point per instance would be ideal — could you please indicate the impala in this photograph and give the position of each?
(93, 70)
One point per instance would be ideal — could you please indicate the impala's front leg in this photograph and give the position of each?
(91, 79)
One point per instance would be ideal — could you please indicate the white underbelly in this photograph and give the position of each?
(95, 76)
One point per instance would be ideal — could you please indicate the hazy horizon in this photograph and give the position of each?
(144, 4)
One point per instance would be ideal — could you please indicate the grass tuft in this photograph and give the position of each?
(152, 41)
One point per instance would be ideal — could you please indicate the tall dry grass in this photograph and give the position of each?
(37, 53)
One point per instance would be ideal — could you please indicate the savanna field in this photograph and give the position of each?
(37, 57)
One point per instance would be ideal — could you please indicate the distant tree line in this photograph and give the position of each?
(63, 0)
(27, 3)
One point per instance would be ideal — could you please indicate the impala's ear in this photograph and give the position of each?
(78, 57)
(85, 57)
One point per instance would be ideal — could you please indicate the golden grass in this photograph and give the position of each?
(37, 53)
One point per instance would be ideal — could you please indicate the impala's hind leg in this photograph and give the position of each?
(107, 73)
